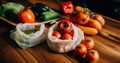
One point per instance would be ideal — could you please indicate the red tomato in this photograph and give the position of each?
(66, 36)
(88, 42)
(82, 18)
(71, 33)
(92, 56)
(56, 34)
(26, 16)
(80, 50)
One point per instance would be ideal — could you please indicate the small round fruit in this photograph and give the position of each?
(95, 24)
(92, 56)
(66, 36)
(71, 33)
(88, 42)
(80, 50)
(56, 34)
(65, 26)
(82, 18)
(100, 19)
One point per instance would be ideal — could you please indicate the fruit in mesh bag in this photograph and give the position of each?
(65, 26)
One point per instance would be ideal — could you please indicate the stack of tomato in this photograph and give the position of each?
(86, 20)
(85, 50)
(83, 18)
(64, 30)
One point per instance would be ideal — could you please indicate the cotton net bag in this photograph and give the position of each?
(29, 40)
(62, 46)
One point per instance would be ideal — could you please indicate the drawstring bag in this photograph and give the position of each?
(29, 34)
(62, 46)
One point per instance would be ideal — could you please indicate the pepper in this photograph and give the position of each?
(67, 7)
(38, 9)
(48, 15)
(11, 9)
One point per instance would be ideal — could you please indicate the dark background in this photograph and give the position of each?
(110, 8)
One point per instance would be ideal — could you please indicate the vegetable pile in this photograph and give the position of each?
(89, 22)
(86, 51)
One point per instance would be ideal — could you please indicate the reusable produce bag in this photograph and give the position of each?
(62, 46)
(29, 39)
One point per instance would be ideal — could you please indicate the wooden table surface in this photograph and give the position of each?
(107, 43)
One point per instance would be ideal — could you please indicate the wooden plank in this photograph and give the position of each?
(107, 50)
(42, 51)
(25, 55)
(8, 54)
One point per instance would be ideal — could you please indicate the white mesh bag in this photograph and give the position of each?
(28, 40)
(62, 46)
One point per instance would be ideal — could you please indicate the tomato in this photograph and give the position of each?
(65, 26)
(82, 18)
(26, 16)
(56, 34)
(66, 36)
(95, 24)
(80, 50)
(71, 33)
(92, 56)
(100, 19)
(88, 42)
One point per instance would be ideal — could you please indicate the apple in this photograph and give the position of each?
(56, 34)
(65, 26)
(66, 36)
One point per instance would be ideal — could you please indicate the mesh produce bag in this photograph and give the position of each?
(62, 46)
(29, 34)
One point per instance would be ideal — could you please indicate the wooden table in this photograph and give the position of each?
(107, 43)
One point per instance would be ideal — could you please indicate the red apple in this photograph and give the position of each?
(56, 34)
(65, 26)
(66, 36)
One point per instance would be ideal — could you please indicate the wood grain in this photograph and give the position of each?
(107, 43)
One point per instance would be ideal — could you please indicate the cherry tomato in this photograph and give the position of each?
(56, 34)
(26, 16)
(82, 18)
(80, 50)
(92, 56)
(66, 36)
(88, 42)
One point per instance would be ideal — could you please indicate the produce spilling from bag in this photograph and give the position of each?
(62, 36)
